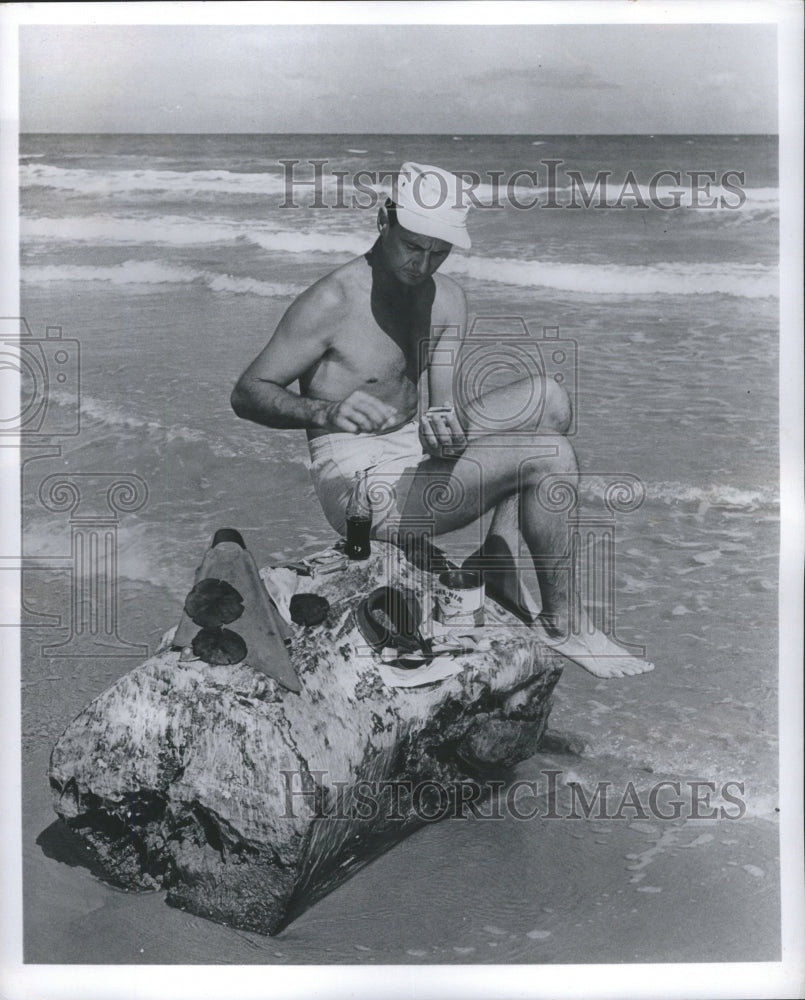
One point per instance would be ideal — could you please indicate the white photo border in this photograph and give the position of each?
(624, 981)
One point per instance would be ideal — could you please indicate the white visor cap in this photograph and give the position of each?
(430, 201)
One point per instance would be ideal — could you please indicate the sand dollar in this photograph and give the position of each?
(213, 602)
(219, 646)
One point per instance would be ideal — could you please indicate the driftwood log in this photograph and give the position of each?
(247, 802)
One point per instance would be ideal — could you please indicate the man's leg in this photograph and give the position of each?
(496, 471)
(542, 405)
(497, 560)
(495, 467)
(447, 493)
(529, 404)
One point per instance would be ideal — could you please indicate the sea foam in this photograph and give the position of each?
(156, 273)
(168, 183)
(275, 187)
(664, 278)
(741, 280)
(175, 230)
(750, 281)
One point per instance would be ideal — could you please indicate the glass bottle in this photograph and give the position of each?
(359, 519)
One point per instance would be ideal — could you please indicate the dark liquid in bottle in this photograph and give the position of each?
(358, 531)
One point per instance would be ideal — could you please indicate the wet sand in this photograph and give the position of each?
(573, 892)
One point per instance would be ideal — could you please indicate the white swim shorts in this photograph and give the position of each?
(390, 461)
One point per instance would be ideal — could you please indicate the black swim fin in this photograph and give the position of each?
(260, 626)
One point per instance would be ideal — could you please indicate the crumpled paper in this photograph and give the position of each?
(281, 583)
(439, 668)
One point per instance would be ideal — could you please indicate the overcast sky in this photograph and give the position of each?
(368, 78)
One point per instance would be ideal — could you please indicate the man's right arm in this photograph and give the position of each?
(300, 341)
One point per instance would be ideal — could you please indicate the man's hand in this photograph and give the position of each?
(361, 413)
(441, 432)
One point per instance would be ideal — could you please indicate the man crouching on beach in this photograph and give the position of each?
(359, 342)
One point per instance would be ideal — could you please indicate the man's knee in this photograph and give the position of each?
(560, 461)
(558, 413)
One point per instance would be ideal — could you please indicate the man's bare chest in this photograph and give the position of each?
(385, 344)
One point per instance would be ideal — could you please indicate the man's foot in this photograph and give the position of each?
(591, 649)
(501, 579)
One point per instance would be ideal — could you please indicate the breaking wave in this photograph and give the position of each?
(716, 495)
(751, 281)
(169, 183)
(172, 184)
(177, 230)
(155, 273)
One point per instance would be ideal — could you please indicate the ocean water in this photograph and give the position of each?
(171, 259)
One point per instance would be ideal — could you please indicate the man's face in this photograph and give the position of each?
(413, 258)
